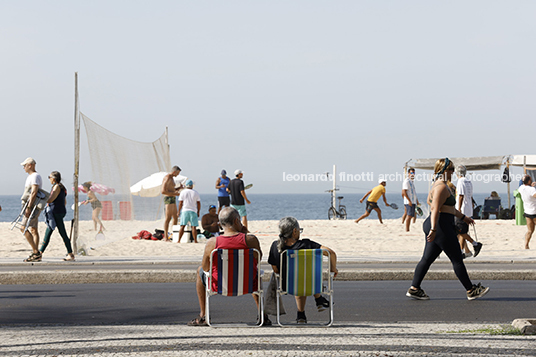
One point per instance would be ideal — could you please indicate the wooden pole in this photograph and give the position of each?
(74, 238)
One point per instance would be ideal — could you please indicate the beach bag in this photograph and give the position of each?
(158, 234)
(270, 302)
(143, 235)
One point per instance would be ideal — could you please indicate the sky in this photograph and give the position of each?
(274, 88)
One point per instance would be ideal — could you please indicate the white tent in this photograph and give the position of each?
(478, 163)
(472, 163)
(526, 161)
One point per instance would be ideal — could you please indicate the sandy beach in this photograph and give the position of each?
(367, 240)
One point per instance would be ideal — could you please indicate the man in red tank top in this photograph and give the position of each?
(234, 237)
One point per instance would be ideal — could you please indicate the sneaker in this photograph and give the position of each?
(477, 292)
(322, 304)
(301, 319)
(477, 248)
(266, 321)
(418, 294)
(467, 255)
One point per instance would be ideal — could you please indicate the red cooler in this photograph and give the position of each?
(125, 211)
(107, 211)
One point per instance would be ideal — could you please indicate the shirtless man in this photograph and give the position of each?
(170, 193)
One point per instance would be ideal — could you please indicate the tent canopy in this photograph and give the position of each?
(522, 160)
(471, 163)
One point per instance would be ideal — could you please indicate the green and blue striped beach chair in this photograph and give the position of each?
(302, 273)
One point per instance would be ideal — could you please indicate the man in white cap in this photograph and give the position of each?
(372, 202)
(238, 196)
(189, 207)
(33, 183)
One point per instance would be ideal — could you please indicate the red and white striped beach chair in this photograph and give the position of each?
(302, 273)
(238, 274)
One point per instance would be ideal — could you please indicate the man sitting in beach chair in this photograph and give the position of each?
(289, 238)
(234, 237)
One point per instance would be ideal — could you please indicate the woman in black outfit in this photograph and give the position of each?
(441, 235)
(56, 211)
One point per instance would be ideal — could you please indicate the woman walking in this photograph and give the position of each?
(55, 212)
(441, 235)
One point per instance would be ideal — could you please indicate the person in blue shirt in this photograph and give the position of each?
(223, 196)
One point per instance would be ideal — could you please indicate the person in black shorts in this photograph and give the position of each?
(224, 200)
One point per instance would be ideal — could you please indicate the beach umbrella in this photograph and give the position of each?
(151, 186)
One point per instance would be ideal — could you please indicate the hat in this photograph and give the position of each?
(189, 183)
(28, 160)
(211, 207)
(238, 172)
(223, 172)
(381, 180)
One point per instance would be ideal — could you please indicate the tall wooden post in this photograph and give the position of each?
(74, 238)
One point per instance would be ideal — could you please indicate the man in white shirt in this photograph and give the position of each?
(189, 207)
(464, 204)
(410, 198)
(33, 183)
(528, 195)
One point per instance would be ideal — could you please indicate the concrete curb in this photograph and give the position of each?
(94, 276)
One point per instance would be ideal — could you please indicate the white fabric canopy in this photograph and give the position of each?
(520, 160)
(471, 163)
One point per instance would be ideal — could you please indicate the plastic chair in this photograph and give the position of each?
(490, 207)
(238, 274)
(302, 273)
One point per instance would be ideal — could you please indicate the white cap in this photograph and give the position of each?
(28, 160)
(381, 180)
(238, 172)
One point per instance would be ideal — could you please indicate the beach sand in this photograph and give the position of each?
(367, 240)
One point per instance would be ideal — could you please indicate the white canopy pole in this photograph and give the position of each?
(334, 186)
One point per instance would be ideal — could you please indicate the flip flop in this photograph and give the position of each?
(198, 321)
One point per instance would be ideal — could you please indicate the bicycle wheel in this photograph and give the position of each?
(342, 212)
(332, 213)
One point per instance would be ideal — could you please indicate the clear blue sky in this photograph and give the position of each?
(270, 87)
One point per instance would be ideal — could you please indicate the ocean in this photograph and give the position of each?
(264, 206)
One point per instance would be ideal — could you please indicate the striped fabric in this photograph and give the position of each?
(304, 272)
(237, 272)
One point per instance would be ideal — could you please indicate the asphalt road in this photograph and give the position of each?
(371, 301)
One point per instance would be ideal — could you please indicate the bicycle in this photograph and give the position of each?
(333, 213)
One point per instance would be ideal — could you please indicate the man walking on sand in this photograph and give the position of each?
(34, 182)
(410, 197)
(189, 208)
(464, 204)
(372, 202)
(528, 194)
(223, 196)
(170, 193)
(238, 196)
